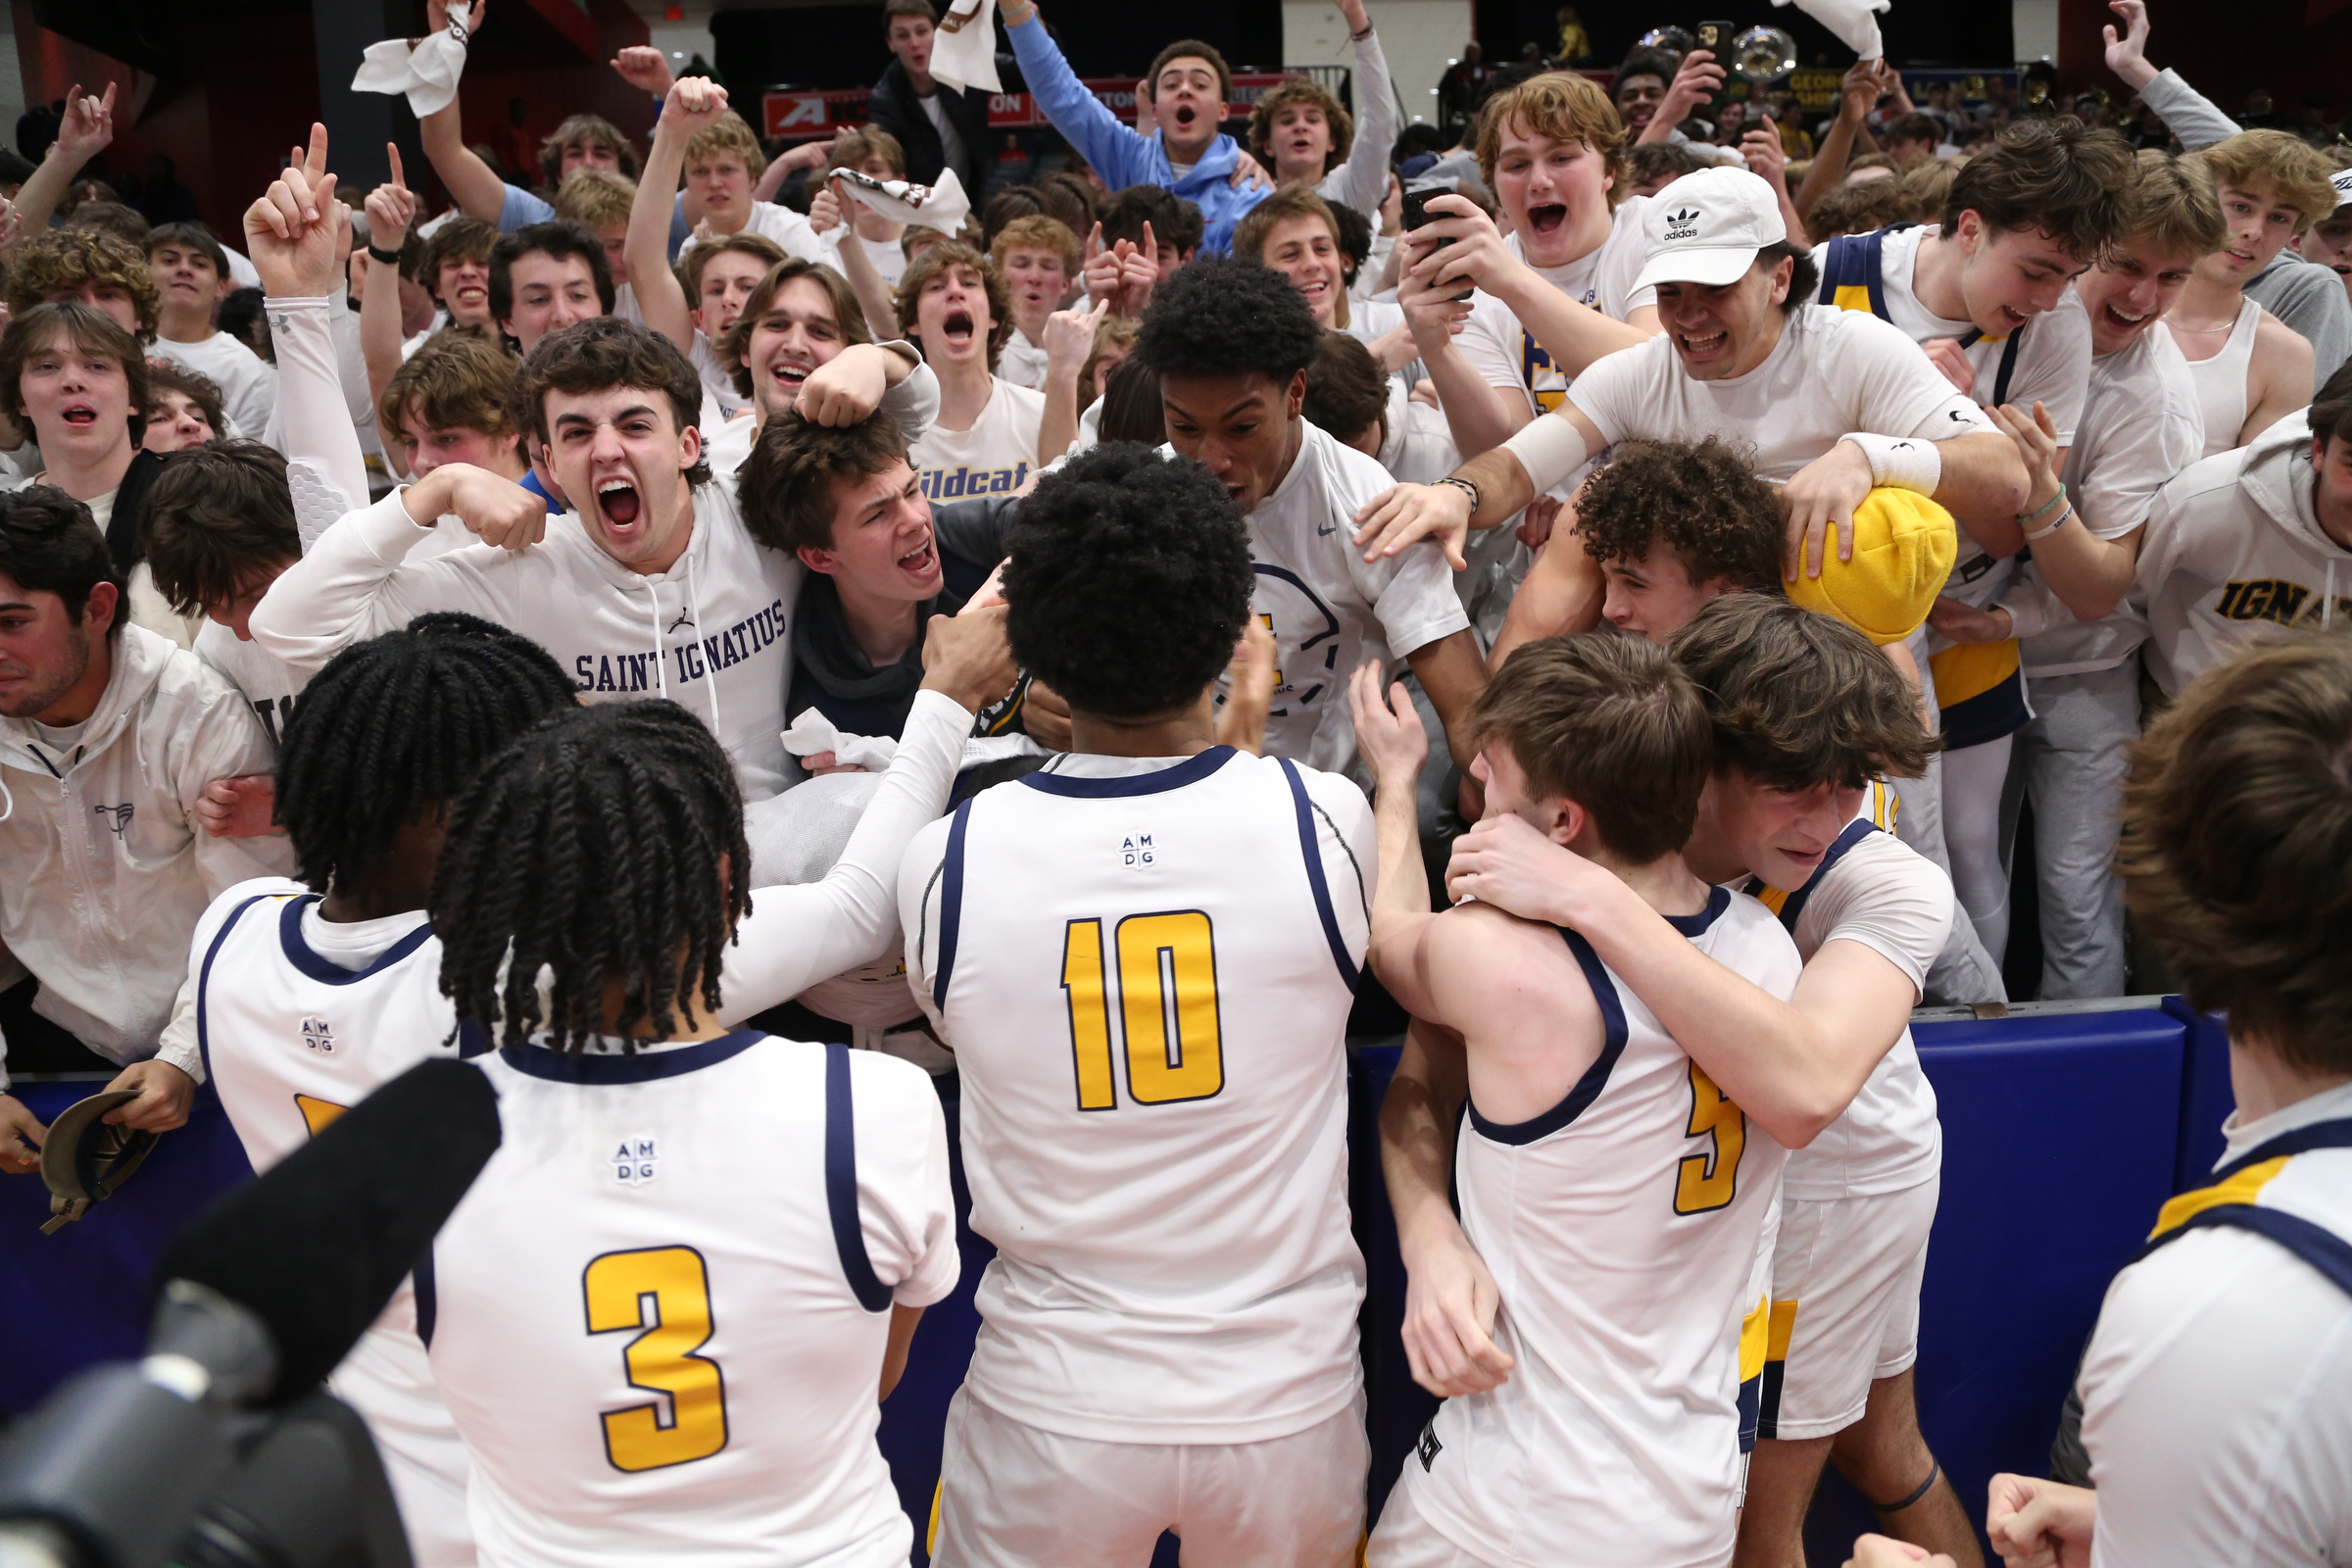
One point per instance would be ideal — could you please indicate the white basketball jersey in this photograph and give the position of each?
(1621, 1230)
(1145, 983)
(291, 1040)
(661, 1314)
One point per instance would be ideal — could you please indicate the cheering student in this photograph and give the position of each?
(1190, 88)
(990, 435)
(191, 274)
(1038, 260)
(2250, 369)
(1304, 134)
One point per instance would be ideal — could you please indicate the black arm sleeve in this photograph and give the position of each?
(975, 529)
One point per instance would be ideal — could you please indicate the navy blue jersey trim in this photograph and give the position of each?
(841, 1184)
(951, 904)
(2300, 1141)
(1596, 1077)
(204, 979)
(1695, 926)
(474, 1040)
(644, 1066)
(326, 970)
(2315, 1245)
(1350, 974)
(1190, 770)
(428, 1298)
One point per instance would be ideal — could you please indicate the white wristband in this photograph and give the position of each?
(1549, 449)
(1906, 462)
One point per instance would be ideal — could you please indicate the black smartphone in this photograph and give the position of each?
(1715, 37)
(1417, 213)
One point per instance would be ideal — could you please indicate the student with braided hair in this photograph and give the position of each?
(588, 897)
(304, 995)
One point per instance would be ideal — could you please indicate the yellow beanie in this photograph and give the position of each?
(1903, 548)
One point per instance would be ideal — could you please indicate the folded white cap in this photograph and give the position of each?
(2341, 179)
(428, 73)
(943, 206)
(1854, 22)
(1708, 226)
(964, 51)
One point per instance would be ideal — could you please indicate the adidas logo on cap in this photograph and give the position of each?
(1683, 224)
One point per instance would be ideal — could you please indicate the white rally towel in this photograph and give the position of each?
(943, 206)
(426, 71)
(964, 51)
(1854, 22)
(812, 732)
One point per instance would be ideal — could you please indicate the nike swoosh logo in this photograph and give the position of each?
(1326, 528)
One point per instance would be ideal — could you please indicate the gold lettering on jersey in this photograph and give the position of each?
(2286, 604)
(675, 1286)
(1167, 977)
(317, 1114)
(1707, 1181)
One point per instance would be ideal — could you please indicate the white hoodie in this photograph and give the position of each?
(724, 607)
(107, 870)
(2234, 557)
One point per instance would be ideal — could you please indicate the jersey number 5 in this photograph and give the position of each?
(1167, 995)
(666, 1291)
(1705, 1182)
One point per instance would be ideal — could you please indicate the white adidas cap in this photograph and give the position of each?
(1708, 226)
(2341, 179)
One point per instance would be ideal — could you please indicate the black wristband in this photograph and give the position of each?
(376, 253)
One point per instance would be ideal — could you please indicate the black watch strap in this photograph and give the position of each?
(376, 253)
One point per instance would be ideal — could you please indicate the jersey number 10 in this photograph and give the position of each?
(1167, 980)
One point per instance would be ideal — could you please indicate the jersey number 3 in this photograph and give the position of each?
(1166, 981)
(666, 1291)
(1705, 1182)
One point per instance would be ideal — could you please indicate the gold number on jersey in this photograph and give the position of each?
(316, 1114)
(1704, 1182)
(666, 1291)
(1167, 985)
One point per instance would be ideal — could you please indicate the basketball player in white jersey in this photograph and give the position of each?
(1618, 1196)
(1143, 957)
(1809, 721)
(2240, 1309)
(664, 1313)
(303, 994)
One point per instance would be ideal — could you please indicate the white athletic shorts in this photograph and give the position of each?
(1845, 1276)
(1013, 1495)
(1406, 1538)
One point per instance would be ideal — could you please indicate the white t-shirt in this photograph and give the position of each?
(248, 383)
(1368, 319)
(2053, 363)
(2217, 1390)
(718, 382)
(996, 455)
(950, 145)
(1832, 371)
(1022, 362)
(268, 682)
(1328, 608)
(2141, 427)
(1898, 903)
(1501, 350)
(889, 255)
(790, 230)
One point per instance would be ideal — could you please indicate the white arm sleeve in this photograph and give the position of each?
(312, 426)
(1549, 449)
(1363, 182)
(914, 403)
(796, 936)
(342, 588)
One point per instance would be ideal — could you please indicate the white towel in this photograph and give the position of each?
(812, 732)
(1854, 22)
(943, 206)
(429, 73)
(966, 57)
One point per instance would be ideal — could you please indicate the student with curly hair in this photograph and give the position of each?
(96, 270)
(183, 409)
(1231, 342)
(1211, 1388)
